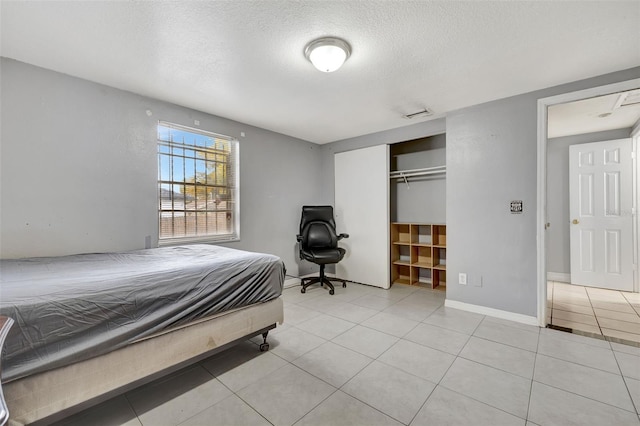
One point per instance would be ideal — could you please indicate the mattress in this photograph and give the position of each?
(71, 308)
(57, 393)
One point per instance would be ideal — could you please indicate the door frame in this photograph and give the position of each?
(541, 205)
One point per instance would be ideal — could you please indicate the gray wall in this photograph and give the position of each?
(491, 160)
(78, 169)
(558, 241)
(401, 134)
(78, 174)
(421, 199)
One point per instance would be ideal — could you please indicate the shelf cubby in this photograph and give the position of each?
(423, 234)
(439, 258)
(424, 257)
(418, 254)
(440, 235)
(401, 274)
(401, 234)
(423, 277)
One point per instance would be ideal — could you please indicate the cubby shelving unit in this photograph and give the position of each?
(419, 254)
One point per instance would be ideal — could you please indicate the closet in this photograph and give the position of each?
(380, 188)
(417, 212)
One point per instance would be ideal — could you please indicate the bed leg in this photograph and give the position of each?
(264, 346)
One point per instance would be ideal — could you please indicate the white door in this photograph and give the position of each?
(362, 211)
(600, 180)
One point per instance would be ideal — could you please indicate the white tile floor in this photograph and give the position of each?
(367, 356)
(610, 313)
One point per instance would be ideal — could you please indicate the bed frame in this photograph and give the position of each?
(52, 395)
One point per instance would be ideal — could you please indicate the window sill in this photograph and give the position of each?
(209, 239)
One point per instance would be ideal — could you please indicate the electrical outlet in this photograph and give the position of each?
(462, 278)
(478, 283)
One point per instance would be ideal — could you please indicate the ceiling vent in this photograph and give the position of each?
(426, 112)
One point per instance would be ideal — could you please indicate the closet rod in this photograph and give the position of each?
(404, 174)
(400, 174)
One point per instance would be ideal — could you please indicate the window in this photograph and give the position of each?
(197, 185)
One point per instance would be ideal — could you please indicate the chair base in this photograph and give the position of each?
(322, 279)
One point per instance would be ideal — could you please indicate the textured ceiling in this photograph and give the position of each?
(244, 60)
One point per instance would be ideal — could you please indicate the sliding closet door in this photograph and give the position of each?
(362, 211)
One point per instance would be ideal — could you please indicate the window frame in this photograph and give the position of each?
(232, 185)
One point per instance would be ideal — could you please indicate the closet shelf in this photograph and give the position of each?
(413, 173)
(405, 174)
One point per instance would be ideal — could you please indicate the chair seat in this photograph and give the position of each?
(322, 256)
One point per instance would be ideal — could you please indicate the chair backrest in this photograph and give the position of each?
(317, 227)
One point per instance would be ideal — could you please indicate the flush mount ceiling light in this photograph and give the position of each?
(327, 54)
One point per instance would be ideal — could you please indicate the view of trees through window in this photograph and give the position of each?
(196, 183)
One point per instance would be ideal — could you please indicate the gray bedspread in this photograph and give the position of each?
(72, 308)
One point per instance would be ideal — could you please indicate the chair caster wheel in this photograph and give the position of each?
(303, 290)
(331, 292)
(264, 347)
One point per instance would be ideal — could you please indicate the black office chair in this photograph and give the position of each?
(318, 243)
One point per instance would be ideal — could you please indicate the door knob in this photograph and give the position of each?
(575, 221)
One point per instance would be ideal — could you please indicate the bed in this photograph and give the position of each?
(90, 326)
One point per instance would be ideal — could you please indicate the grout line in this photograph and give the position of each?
(456, 356)
(602, 334)
(593, 313)
(633, 402)
(126, 398)
(588, 397)
(425, 401)
(598, 321)
(533, 375)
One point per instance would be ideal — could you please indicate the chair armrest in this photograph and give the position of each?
(299, 239)
(341, 236)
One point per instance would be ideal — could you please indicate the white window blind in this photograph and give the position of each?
(198, 190)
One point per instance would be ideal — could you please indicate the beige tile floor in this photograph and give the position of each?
(610, 313)
(367, 356)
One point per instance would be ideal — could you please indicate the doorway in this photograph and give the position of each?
(594, 311)
(556, 283)
(600, 193)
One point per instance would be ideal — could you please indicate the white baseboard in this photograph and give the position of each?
(559, 276)
(497, 313)
(291, 282)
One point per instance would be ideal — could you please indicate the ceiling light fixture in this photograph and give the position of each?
(327, 54)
